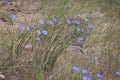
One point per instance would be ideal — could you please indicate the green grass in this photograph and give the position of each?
(53, 56)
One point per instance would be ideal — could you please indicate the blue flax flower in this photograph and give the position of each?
(38, 32)
(50, 22)
(44, 32)
(20, 26)
(27, 28)
(72, 19)
(77, 22)
(68, 22)
(67, 17)
(117, 73)
(12, 16)
(79, 29)
(86, 78)
(41, 21)
(79, 39)
(99, 75)
(89, 25)
(37, 39)
(86, 19)
(85, 71)
(59, 22)
(76, 68)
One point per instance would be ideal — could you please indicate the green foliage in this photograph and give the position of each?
(12, 46)
(50, 48)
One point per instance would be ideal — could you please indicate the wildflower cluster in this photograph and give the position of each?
(54, 33)
(72, 24)
(85, 73)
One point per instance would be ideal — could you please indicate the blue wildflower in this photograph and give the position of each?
(79, 39)
(117, 73)
(37, 39)
(85, 71)
(77, 22)
(73, 21)
(13, 16)
(67, 17)
(86, 19)
(41, 21)
(38, 32)
(79, 29)
(86, 78)
(89, 25)
(99, 75)
(59, 22)
(27, 28)
(20, 26)
(68, 22)
(44, 32)
(76, 68)
(50, 22)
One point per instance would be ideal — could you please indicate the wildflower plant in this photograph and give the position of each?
(49, 38)
(85, 73)
(13, 16)
(86, 78)
(117, 73)
(76, 68)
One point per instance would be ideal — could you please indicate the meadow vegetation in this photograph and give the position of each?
(60, 39)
